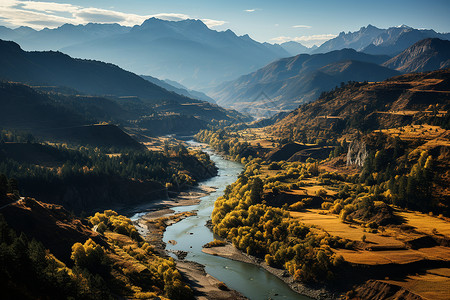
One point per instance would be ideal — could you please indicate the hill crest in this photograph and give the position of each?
(425, 55)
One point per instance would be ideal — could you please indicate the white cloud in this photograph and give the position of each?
(307, 40)
(19, 17)
(213, 23)
(39, 14)
(251, 10)
(107, 16)
(169, 16)
(47, 6)
(301, 26)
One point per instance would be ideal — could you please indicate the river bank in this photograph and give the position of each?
(152, 224)
(230, 252)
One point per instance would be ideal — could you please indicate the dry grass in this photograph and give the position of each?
(425, 223)
(335, 227)
(257, 137)
(157, 143)
(434, 284)
(364, 257)
(436, 253)
(271, 173)
(338, 164)
(390, 247)
(414, 132)
(440, 271)
(311, 190)
(123, 239)
(373, 258)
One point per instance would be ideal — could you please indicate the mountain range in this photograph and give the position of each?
(369, 106)
(86, 76)
(373, 40)
(185, 51)
(58, 118)
(278, 87)
(57, 38)
(64, 92)
(295, 48)
(194, 55)
(425, 55)
(286, 83)
(178, 88)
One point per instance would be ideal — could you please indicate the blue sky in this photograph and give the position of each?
(309, 22)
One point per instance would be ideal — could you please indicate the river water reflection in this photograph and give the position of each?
(191, 234)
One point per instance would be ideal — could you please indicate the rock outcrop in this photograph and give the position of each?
(357, 153)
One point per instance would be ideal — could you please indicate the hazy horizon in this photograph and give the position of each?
(304, 22)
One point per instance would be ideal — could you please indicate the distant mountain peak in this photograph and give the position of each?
(373, 40)
(154, 20)
(369, 28)
(24, 30)
(192, 21)
(181, 25)
(404, 26)
(186, 50)
(231, 33)
(151, 22)
(295, 48)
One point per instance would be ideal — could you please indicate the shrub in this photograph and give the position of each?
(326, 205)
(215, 243)
(321, 193)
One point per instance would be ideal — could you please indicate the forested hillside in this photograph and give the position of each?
(84, 178)
(334, 187)
(82, 263)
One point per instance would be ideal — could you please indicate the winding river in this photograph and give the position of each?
(191, 234)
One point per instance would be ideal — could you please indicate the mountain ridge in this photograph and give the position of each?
(368, 106)
(174, 86)
(291, 81)
(425, 55)
(87, 76)
(156, 46)
(376, 41)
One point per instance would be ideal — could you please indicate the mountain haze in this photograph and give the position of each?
(60, 37)
(357, 40)
(291, 81)
(108, 94)
(185, 51)
(396, 39)
(174, 86)
(373, 40)
(295, 48)
(87, 76)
